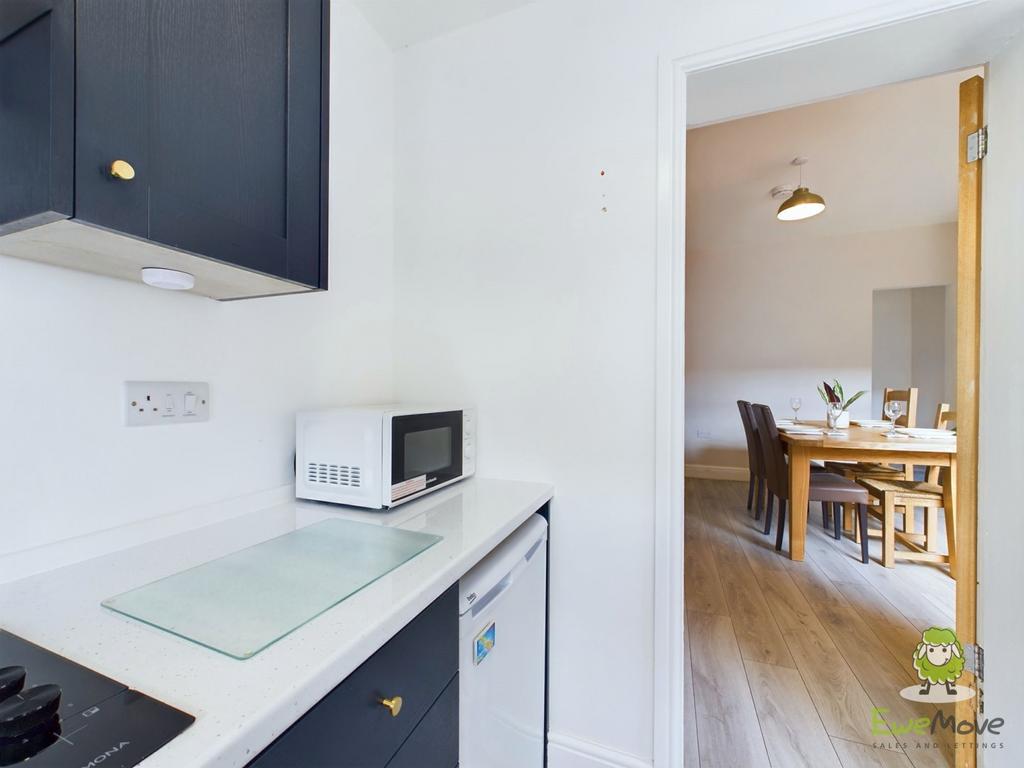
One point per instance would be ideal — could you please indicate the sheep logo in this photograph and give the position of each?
(939, 662)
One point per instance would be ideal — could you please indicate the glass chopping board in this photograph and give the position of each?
(243, 602)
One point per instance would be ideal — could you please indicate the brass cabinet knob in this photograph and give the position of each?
(122, 169)
(394, 705)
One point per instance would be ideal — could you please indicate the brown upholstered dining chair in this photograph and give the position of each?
(824, 487)
(755, 459)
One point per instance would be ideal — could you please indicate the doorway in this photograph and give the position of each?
(773, 309)
(778, 90)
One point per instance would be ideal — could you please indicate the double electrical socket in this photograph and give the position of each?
(153, 403)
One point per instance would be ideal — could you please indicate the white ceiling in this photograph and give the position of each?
(404, 22)
(883, 159)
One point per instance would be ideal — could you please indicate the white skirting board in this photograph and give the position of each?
(570, 752)
(710, 472)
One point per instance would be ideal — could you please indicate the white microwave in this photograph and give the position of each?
(382, 456)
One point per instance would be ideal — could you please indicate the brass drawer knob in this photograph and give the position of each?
(122, 169)
(394, 705)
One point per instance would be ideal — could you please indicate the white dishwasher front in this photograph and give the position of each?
(502, 605)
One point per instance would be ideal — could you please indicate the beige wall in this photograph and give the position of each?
(773, 308)
(767, 323)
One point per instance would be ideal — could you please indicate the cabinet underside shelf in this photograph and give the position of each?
(80, 246)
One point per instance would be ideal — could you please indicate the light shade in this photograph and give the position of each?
(169, 279)
(802, 204)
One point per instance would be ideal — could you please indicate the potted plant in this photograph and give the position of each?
(834, 395)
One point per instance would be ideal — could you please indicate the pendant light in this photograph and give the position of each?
(801, 203)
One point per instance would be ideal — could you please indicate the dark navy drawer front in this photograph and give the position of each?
(350, 728)
(435, 742)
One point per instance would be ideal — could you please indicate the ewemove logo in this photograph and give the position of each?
(939, 662)
(928, 727)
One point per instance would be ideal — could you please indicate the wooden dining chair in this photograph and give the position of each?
(755, 459)
(825, 487)
(894, 494)
(909, 399)
(852, 470)
(866, 469)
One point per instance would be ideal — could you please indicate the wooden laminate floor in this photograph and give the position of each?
(786, 661)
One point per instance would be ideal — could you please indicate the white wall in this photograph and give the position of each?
(1001, 449)
(928, 346)
(891, 343)
(950, 334)
(67, 465)
(512, 290)
(910, 340)
(769, 323)
(515, 290)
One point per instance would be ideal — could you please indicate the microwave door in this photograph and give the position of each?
(426, 451)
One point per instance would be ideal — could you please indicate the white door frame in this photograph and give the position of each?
(673, 72)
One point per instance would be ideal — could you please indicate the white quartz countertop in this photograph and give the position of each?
(242, 706)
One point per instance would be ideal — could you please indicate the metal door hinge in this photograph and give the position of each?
(974, 660)
(977, 144)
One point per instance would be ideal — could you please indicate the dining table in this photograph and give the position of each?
(860, 443)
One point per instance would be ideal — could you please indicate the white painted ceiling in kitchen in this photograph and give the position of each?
(404, 22)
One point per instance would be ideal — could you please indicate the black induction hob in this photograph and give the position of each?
(58, 714)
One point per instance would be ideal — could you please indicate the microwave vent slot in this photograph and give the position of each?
(333, 474)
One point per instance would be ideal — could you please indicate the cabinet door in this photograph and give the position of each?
(37, 80)
(350, 728)
(112, 124)
(217, 106)
(435, 742)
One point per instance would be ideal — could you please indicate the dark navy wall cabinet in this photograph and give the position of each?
(352, 728)
(37, 137)
(215, 112)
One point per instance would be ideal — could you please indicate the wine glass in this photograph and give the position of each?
(833, 413)
(795, 403)
(892, 410)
